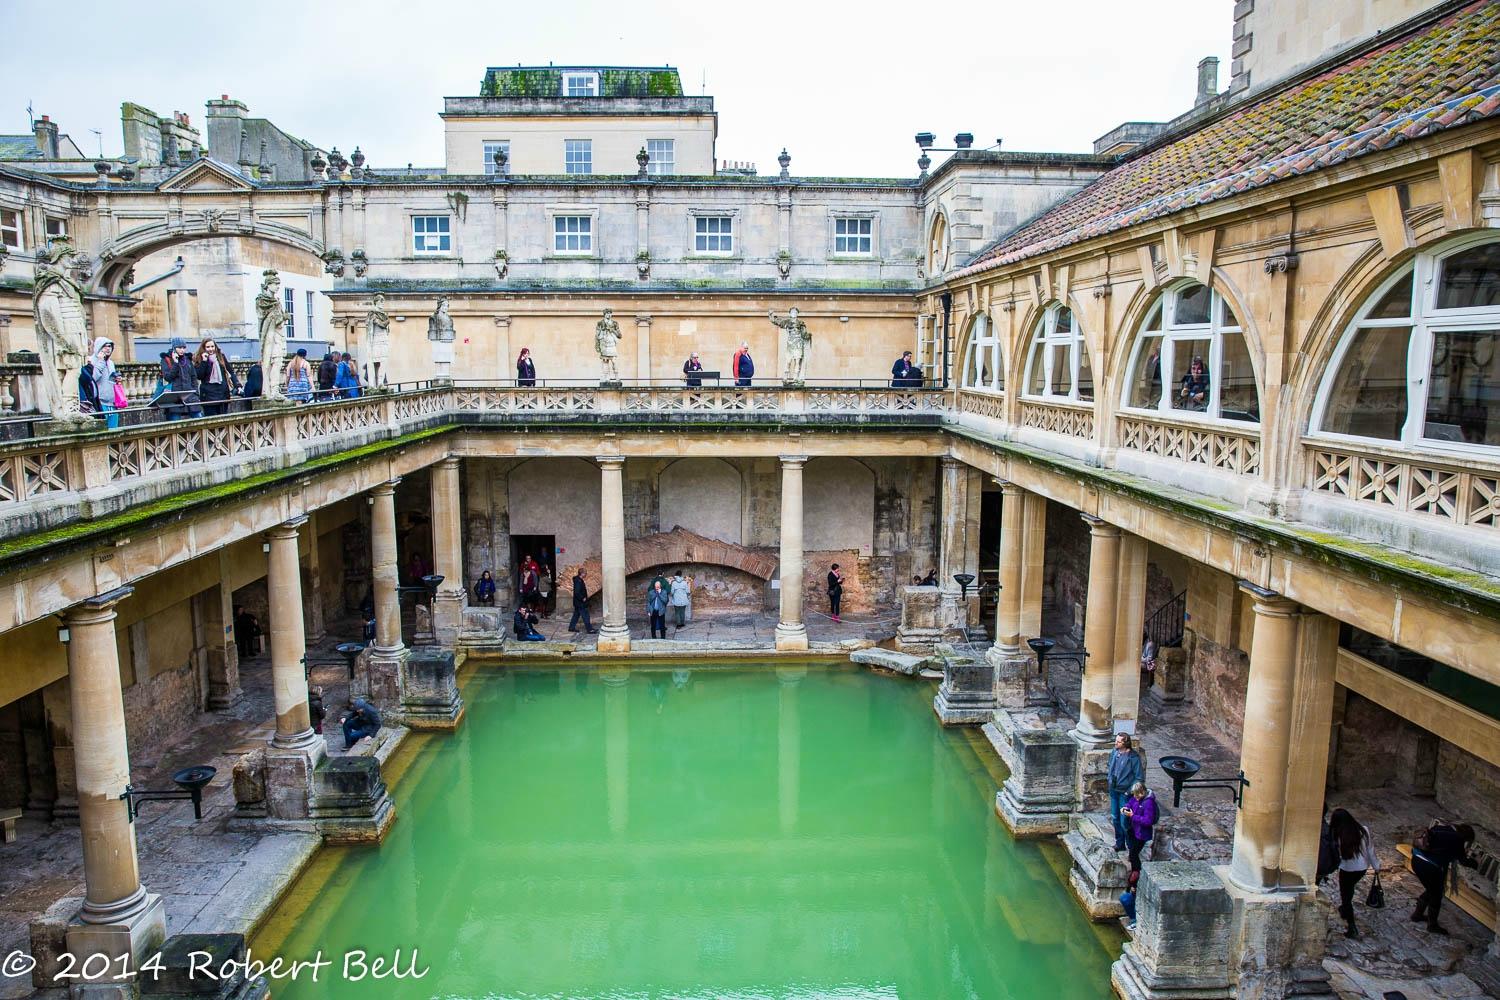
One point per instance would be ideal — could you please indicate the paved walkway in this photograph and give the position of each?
(729, 631)
(1393, 953)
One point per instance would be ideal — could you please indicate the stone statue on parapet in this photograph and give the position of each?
(607, 343)
(798, 343)
(440, 323)
(271, 319)
(377, 337)
(62, 331)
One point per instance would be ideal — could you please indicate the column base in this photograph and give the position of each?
(179, 971)
(379, 682)
(1099, 872)
(127, 940)
(1093, 772)
(223, 701)
(350, 802)
(1012, 675)
(1038, 798)
(448, 616)
(967, 695)
(289, 779)
(614, 639)
(791, 637)
(300, 741)
(429, 691)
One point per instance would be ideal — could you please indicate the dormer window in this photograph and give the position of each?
(580, 84)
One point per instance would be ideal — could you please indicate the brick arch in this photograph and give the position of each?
(680, 547)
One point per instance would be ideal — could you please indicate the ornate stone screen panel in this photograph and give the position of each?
(1456, 493)
(1215, 447)
(1059, 418)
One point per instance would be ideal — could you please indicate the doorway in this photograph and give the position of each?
(543, 549)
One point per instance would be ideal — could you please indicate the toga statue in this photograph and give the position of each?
(61, 330)
(798, 341)
(271, 318)
(378, 334)
(607, 343)
(440, 324)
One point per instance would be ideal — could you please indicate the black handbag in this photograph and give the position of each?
(1376, 899)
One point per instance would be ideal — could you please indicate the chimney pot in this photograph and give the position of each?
(1208, 80)
(46, 118)
(223, 97)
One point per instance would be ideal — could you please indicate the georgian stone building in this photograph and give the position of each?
(1237, 376)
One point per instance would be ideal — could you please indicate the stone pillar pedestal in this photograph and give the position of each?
(1099, 872)
(791, 631)
(429, 690)
(922, 617)
(223, 668)
(1015, 676)
(447, 544)
(614, 634)
(350, 802)
(1038, 797)
(1169, 685)
(967, 695)
(1184, 925)
(118, 917)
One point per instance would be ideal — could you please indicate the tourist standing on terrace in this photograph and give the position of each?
(98, 383)
(742, 366)
(217, 382)
(328, 371)
(1356, 853)
(681, 596)
(346, 377)
(905, 374)
(1140, 815)
(657, 602)
(1125, 772)
(525, 368)
(299, 377)
(179, 375)
(580, 604)
(835, 592)
(689, 368)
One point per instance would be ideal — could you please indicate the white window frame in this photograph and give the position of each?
(17, 233)
(289, 306)
(1425, 319)
(586, 234)
(586, 80)
(867, 220)
(984, 336)
(694, 233)
(585, 146)
(417, 238)
(655, 165)
(1170, 334)
(310, 293)
(488, 148)
(1044, 338)
(49, 221)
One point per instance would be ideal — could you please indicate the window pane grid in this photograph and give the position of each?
(663, 155)
(853, 236)
(10, 229)
(1190, 358)
(430, 234)
(578, 156)
(573, 234)
(490, 148)
(713, 234)
(289, 305)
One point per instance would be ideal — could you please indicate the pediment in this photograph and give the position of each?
(205, 175)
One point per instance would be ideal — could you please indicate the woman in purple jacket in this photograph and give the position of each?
(1140, 815)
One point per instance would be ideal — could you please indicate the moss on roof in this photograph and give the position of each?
(614, 81)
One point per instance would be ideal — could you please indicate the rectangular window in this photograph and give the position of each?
(713, 234)
(663, 155)
(56, 228)
(573, 234)
(490, 149)
(578, 156)
(852, 236)
(580, 84)
(10, 228)
(289, 303)
(310, 313)
(430, 234)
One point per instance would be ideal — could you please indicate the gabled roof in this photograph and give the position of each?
(206, 174)
(1438, 76)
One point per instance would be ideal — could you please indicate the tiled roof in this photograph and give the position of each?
(1439, 76)
(19, 147)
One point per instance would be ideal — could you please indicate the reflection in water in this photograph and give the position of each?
(786, 833)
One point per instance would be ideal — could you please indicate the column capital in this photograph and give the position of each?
(99, 608)
(793, 460)
(1268, 602)
(643, 320)
(948, 461)
(1008, 488)
(611, 461)
(386, 488)
(451, 462)
(288, 528)
(1100, 527)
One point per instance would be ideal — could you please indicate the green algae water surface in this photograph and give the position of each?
(788, 832)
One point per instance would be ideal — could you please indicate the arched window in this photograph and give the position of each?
(1057, 366)
(937, 246)
(1190, 357)
(984, 367)
(1418, 365)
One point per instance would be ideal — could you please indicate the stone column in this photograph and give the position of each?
(1033, 565)
(314, 626)
(223, 654)
(288, 641)
(447, 554)
(118, 916)
(1284, 751)
(1007, 655)
(791, 632)
(1130, 623)
(388, 653)
(953, 543)
(614, 634)
(1095, 721)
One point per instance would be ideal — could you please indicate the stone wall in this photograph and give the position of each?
(1468, 788)
(1065, 574)
(1376, 748)
(1217, 678)
(162, 706)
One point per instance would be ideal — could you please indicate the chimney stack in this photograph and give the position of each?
(1208, 80)
(45, 130)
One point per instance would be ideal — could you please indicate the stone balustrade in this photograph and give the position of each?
(1227, 449)
(1463, 492)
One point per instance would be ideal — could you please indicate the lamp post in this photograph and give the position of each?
(1043, 649)
(963, 580)
(190, 782)
(1184, 771)
(350, 651)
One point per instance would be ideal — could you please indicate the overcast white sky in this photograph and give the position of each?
(844, 86)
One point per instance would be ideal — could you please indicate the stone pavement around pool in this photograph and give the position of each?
(726, 631)
(1392, 953)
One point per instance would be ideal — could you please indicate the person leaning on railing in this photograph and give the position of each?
(180, 376)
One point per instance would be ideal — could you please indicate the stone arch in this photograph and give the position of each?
(559, 497)
(838, 506)
(703, 495)
(122, 253)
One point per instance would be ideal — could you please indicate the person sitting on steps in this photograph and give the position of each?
(360, 721)
(524, 625)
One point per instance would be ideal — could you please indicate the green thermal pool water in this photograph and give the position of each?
(763, 831)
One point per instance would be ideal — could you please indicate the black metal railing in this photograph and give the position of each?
(1164, 627)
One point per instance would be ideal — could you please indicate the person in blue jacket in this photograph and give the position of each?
(346, 381)
(1125, 771)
